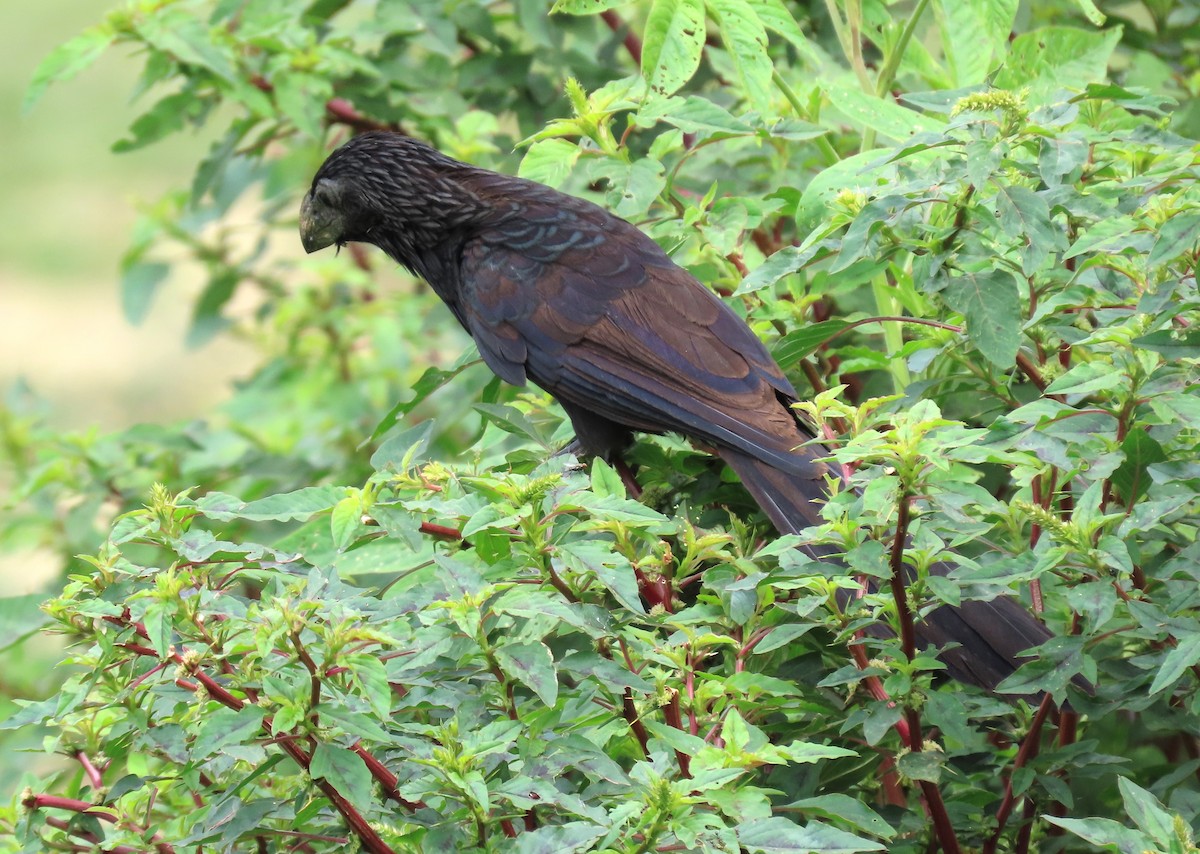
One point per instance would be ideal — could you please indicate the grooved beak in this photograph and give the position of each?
(320, 225)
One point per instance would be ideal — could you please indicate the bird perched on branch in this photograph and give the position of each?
(559, 292)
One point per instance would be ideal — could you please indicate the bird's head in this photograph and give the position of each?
(386, 189)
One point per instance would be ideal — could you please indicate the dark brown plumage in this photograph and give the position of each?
(557, 291)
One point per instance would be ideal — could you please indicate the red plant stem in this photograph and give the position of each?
(629, 710)
(370, 840)
(95, 778)
(908, 638)
(1027, 751)
(440, 531)
(934, 805)
(674, 718)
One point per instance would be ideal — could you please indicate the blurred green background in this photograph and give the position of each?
(68, 207)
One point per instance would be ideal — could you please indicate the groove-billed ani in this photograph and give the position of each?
(558, 291)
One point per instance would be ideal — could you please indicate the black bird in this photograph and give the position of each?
(558, 291)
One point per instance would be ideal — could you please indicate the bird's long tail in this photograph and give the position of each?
(990, 635)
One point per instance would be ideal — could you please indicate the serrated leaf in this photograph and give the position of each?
(532, 665)
(991, 306)
(67, 60)
(345, 771)
(672, 44)
(1147, 813)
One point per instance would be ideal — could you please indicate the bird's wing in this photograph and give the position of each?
(592, 310)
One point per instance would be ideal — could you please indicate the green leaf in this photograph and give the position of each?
(184, 37)
(1091, 12)
(1178, 236)
(165, 118)
(585, 7)
(801, 342)
(923, 765)
(991, 306)
(693, 114)
(346, 522)
(848, 809)
(672, 44)
(612, 570)
(67, 60)
(549, 161)
(1025, 215)
(224, 727)
(1148, 813)
(429, 382)
(974, 36)
(1175, 662)
(345, 771)
(786, 261)
(745, 39)
(532, 665)
(605, 480)
(777, 835)
(1104, 833)
(883, 115)
(1141, 451)
(370, 674)
(285, 507)
(139, 284)
(1087, 378)
(1053, 58)
(1173, 344)
(558, 838)
(638, 186)
(20, 617)
(157, 621)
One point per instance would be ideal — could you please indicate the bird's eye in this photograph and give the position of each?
(324, 194)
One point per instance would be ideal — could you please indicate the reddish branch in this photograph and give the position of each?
(337, 110)
(370, 840)
(936, 808)
(1027, 751)
(37, 802)
(442, 532)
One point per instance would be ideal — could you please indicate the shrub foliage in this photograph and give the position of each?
(322, 618)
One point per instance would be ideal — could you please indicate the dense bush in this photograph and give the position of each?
(323, 618)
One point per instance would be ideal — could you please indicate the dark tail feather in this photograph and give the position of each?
(990, 635)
